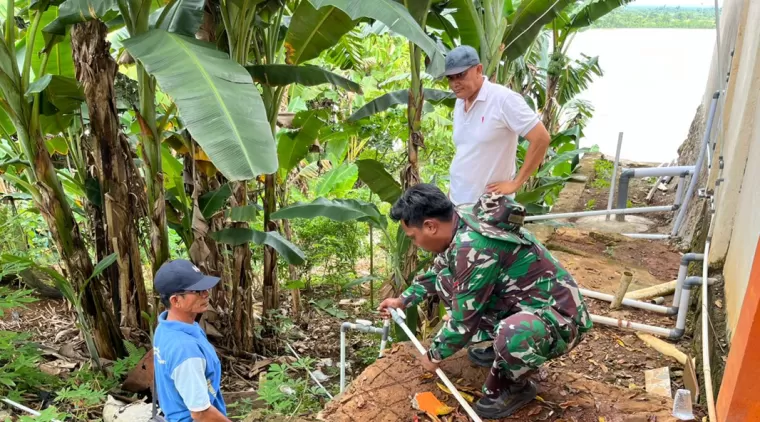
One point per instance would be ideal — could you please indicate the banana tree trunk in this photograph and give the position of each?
(271, 296)
(242, 282)
(119, 180)
(65, 232)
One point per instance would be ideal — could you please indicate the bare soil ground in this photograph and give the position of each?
(384, 391)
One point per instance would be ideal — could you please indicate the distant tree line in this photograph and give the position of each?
(659, 17)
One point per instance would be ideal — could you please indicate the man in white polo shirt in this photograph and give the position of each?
(487, 121)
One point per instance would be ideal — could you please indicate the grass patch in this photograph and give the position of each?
(602, 173)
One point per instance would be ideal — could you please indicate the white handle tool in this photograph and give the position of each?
(399, 316)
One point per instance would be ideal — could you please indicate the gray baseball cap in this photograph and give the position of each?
(460, 59)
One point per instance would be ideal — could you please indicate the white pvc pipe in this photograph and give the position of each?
(640, 210)
(614, 173)
(384, 339)
(627, 302)
(24, 408)
(705, 331)
(342, 361)
(662, 171)
(311, 374)
(621, 323)
(649, 236)
(398, 316)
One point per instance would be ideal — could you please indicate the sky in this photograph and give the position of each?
(702, 3)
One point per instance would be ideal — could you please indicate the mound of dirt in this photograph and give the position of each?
(384, 392)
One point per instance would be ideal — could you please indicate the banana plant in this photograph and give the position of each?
(35, 91)
(343, 210)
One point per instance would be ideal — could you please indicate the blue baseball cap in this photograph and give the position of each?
(460, 59)
(181, 275)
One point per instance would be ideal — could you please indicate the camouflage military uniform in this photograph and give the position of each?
(498, 282)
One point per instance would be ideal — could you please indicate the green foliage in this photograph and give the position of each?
(333, 248)
(287, 393)
(19, 359)
(659, 17)
(590, 205)
(134, 354)
(602, 174)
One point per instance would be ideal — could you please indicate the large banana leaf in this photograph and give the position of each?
(468, 22)
(592, 10)
(184, 17)
(401, 97)
(211, 202)
(238, 236)
(291, 150)
(216, 98)
(393, 15)
(60, 61)
(526, 23)
(307, 75)
(75, 11)
(566, 156)
(59, 94)
(536, 195)
(335, 209)
(313, 31)
(338, 180)
(379, 181)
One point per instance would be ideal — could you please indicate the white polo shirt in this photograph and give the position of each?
(486, 140)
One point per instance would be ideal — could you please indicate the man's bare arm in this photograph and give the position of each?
(212, 414)
(539, 140)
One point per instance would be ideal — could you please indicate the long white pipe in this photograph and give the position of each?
(661, 171)
(640, 210)
(648, 236)
(628, 302)
(398, 316)
(621, 323)
(24, 408)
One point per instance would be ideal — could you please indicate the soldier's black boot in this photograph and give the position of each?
(482, 355)
(509, 400)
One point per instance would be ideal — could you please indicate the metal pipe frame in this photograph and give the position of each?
(640, 210)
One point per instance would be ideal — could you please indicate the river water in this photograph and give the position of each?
(653, 83)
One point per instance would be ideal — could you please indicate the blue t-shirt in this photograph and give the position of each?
(187, 370)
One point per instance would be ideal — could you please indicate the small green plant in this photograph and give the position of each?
(134, 354)
(629, 204)
(287, 394)
(590, 204)
(48, 415)
(603, 173)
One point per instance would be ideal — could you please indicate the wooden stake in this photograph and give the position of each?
(663, 347)
(625, 281)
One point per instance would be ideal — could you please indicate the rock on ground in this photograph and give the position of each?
(383, 393)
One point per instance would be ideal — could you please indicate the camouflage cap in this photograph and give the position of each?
(497, 217)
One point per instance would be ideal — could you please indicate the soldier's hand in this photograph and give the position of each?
(427, 363)
(393, 302)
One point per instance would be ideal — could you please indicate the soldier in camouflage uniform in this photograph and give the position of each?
(497, 282)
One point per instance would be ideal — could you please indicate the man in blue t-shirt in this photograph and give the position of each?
(188, 372)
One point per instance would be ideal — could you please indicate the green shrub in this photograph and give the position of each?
(332, 248)
(603, 173)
